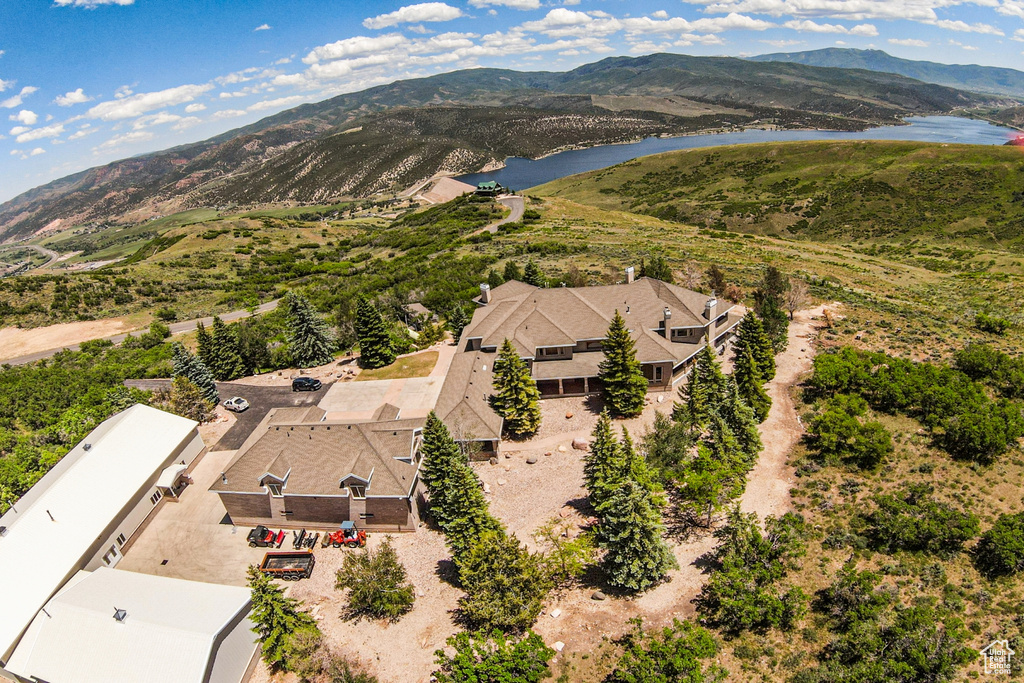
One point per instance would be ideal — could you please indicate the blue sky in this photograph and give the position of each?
(85, 82)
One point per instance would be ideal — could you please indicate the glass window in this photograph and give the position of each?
(275, 490)
(358, 492)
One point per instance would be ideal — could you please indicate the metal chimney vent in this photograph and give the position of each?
(119, 615)
(86, 446)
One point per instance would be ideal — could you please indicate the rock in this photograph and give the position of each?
(532, 460)
(562, 449)
(548, 454)
(598, 595)
(568, 416)
(493, 461)
(581, 444)
(661, 399)
(508, 456)
(502, 482)
(559, 646)
(508, 468)
(555, 613)
(487, 487)
(565, 512)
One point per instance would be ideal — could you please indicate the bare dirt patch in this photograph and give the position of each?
(16, 342)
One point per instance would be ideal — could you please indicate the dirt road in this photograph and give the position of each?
(516, 204)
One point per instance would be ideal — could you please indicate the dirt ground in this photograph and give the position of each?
(16, 342)
(524, 496)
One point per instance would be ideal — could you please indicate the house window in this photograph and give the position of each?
(658, 373)
(155, 498)
(594, 346)
(549, 352)
(275, 490)
(121, 540)
(358, 492)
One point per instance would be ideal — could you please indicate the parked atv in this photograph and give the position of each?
(348, 535)
(262, 537)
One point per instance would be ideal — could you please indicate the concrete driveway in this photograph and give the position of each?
(415, 397)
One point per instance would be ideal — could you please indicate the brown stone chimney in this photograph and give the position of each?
(485, 293)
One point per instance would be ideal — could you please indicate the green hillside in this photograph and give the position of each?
(872, 194)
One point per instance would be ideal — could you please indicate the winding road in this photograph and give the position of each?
(176, 328)
(514, 202)
(52, 255)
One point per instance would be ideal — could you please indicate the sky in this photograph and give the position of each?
(87, 82)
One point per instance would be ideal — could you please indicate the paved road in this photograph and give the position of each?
(176, 328)
(261, 400)
(517, 204)
(52, 255)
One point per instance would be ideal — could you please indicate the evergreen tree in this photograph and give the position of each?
(465, 517)
(375, 346)
(276, 617)
(533, 276)
(517, 399)
(225, 362)
(494, 279)
(747, 380)
(204, 344)
(634, 465)
(440, 455)
(702, 488)
(657, 269)
(252, 345)
(769, 302)
(310, 340)
(457, 321)
(622, 379)
(742, 422)
(703, 392)
(185, 364)
(188, 401)
(512, 271)
(750, 334)
(603, 463)
(377, 583)
(505, 584)
(636, 556)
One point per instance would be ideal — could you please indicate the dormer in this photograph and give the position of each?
(356, 485)
(275, 479)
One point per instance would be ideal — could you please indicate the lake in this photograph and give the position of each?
(521, 173)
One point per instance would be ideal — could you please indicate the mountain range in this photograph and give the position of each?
(390, 137)
(981, 79)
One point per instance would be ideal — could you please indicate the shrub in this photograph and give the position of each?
(914, 521)
(1001, 549)
(480, 658)
(837, 434)
(377, 584)
(672, 655)
(991, 324)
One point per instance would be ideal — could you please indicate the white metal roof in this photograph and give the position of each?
(37, 553)
(167, 636)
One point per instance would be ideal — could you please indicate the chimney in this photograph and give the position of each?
(711, 307)
(667, 322)
(485, 293)
(630, 275)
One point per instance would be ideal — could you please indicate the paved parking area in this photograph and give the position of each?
(261, 400)
(360, 400)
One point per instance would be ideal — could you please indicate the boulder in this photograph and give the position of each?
(502, 482)
(494, 461)
(547, 453)
(568, 416)
(581, 444)
(487, 487)
(559, 646)
(555, 613)
(562, 449)
(598, 595)
(532, 460)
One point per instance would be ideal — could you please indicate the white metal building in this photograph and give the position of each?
(85, 510)
(112, 625)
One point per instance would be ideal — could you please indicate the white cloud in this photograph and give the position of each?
(40, 133)
(262, 27)
(354, 47)
(18, 130)
(186, 122)
(25, 116)
(1012, 8)
(227, 114)
(562, 22)
(279, 102)
(813, 27)
(158, 119)
(514, 4)
(79, 134)
(1018, 35)
(12, 102)
(964, 27)
(782, 43)
(958, 44)
(4, 85)
(90, 4)
(414, 14)
(193, 108)
(647, 25)
(37, 151)
(131, 106)
(70, 98)
(284, 60)
(126, 139)
(660, 14)
(855, 10)
(908, 42)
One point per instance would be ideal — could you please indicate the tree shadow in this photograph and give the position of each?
(594, 404)
(681, 525)
(448, 571)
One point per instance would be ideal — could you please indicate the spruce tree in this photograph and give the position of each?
(657, 269)
(750, 334)
(703, 392)
(275, 616)
(516, 399)
(512, 271)
(634, 465)
(310, 340)
(439, 456)
(533, 276)
(457, 321)
(604, 463)
(702, 487)
(465, 517)
(225, 362)
(185, 364)
(505, 584)
(742, 421)
(375, 346)
(770, 305)
(204, 344)
(636, 556)
(622, 379)
(747, 380)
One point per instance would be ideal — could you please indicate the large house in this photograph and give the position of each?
(298, 470)
(83, 514)
(560, 332)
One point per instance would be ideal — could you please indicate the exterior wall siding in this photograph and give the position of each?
(387, 512)
(315, 510)
(246, 505)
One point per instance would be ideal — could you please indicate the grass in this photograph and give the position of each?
(418, 365)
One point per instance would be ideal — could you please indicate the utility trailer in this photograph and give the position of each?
(288, 566)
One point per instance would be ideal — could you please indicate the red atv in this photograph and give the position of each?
(348, 535)
(262, 537)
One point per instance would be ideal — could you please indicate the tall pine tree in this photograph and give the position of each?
(375, 346)
(204, 342)
(747, 379)
(750, 334)
(516, 398)
(310, 340)
(276, 618)
(512, 271)
(186, 364)
(439, 456)
(225, 362)
(770, 305)
(604, 462)
(636, 556)
(465, 516)
(457, 321)
(533, 276)
(703, 392)
(742, 421)
(622, 379)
